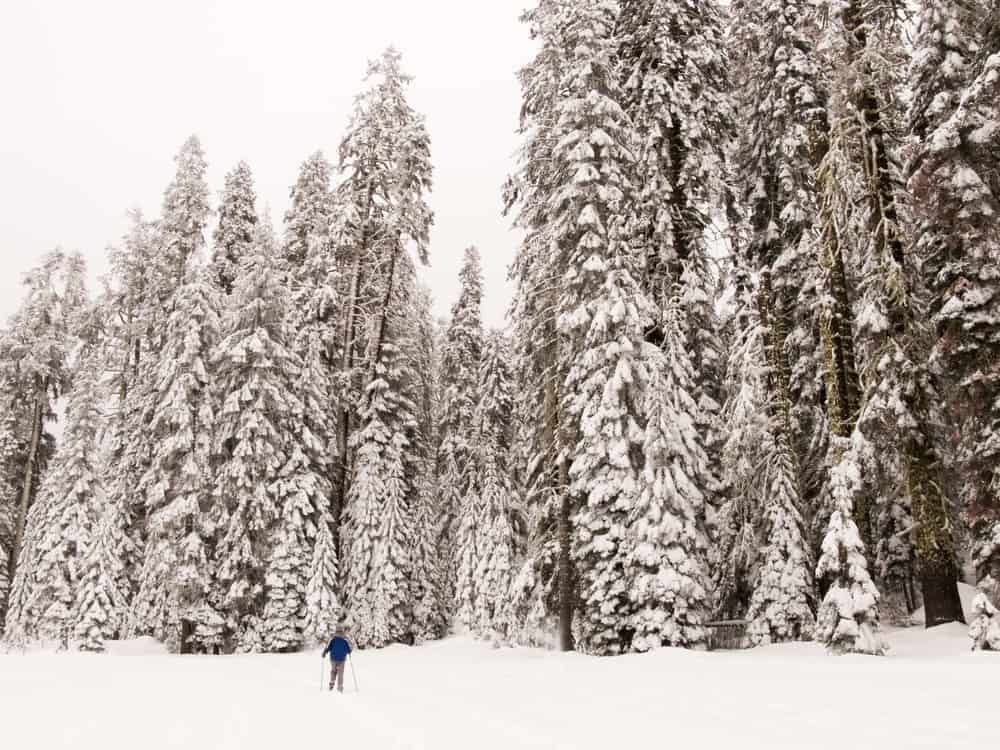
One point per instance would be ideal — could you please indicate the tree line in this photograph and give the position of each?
(750, 369)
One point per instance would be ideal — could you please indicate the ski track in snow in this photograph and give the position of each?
(931, 692)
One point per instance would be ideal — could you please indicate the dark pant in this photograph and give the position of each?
(337, 675)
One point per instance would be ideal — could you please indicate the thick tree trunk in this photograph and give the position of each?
(37, 415)
(187, 635)
(935, 546)
(566, 596)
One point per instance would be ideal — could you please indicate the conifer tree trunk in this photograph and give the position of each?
(843, 387)
(935, 547)
(564, 572)
(935, 544)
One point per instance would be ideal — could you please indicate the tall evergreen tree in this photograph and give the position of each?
(495, 494)
(379, 526)
(429, 568)
(264, 480)
(901, 397)
(177, 579)
(956, 189)
(460, 358)
(600, 321)
(382, 198)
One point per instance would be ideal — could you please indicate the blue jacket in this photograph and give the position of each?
(338, 648)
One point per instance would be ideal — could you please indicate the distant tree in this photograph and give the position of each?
(460, 360)
(237, 225)
(184, 217)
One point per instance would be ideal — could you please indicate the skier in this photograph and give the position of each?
(338, 648)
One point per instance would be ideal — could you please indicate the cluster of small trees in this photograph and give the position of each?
(799, 429)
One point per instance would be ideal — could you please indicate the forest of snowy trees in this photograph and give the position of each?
(752, 366)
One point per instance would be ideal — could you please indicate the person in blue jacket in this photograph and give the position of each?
(338, 648)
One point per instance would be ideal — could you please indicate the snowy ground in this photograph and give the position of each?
(930, 693)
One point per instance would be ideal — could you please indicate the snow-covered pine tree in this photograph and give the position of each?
(602, 313)
(234, 233)
(264, 477)
(131, 314)
(848, 620)
(378, 526)
(184, 217)
(782, 104)
(382, 205)
(746, 426)
(323, 603)
(899, 408)
(302, 550)
(956, 193)
(676, 91)
(315, 448)
(781, 607)
(985, 628)
(766, 565)
(61, 523)
(667, 573)
(177, 577)
(101, 599)
(429, 572)
(496, 499)
(35, 352)
(544, 589)
(460, 360)
(307, 220)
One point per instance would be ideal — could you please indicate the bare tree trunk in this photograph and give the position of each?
(935, 548)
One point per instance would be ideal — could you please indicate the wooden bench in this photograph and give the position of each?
(727, 635)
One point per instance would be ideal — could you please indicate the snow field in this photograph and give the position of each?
(931, 692)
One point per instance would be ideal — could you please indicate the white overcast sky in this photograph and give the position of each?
(98, 95)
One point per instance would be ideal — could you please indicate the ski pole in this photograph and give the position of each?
(322, 672)
(353, 674)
